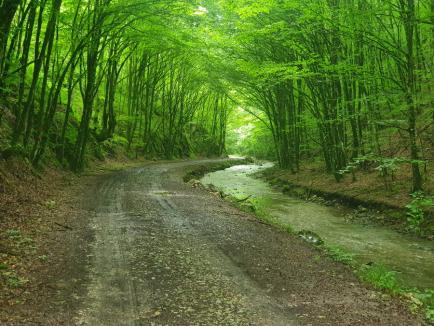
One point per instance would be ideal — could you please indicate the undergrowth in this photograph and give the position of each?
(380, 277)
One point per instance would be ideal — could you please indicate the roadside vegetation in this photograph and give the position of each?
(83, 79)
(343, 91)
(339, 93)
(327, 88)
(348, 84)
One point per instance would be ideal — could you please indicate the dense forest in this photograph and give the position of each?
(123, 196)
(347, 82)
(80, 74)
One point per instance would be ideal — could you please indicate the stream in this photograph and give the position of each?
(412, 258)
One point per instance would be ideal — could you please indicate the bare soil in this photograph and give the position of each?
(140, 247)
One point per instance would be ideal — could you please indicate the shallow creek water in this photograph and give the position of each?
(410, 257)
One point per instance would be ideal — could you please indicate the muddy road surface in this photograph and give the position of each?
(164, 253)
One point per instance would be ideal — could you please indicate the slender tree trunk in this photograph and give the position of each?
(8, 9)
(409, 15)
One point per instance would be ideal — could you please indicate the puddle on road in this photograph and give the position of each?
(412, 258)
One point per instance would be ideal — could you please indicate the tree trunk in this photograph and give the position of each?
(409, 24)
(8, 9)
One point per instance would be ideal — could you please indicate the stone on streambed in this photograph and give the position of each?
(311, 237)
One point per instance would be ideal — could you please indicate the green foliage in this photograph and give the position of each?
(13, 234)
(13, 280)
(311, 69)
(51, 204)
(340, 255)
(99, 151)
(250, 137)
(353, 166)
(164, 77)
(421, 300)
(263, 215)
(132, 85)
(119, 140)
(380, 276)
(43, 258)
(386, 166)
(415, 210)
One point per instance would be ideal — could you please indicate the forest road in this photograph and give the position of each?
(164, 253)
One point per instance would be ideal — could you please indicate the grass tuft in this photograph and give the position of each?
(380, 277)
(340, 255)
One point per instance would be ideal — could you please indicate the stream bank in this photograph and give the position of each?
(370, 205)
(197, 172)
(398, 260)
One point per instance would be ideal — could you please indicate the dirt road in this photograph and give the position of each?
(163, 253)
